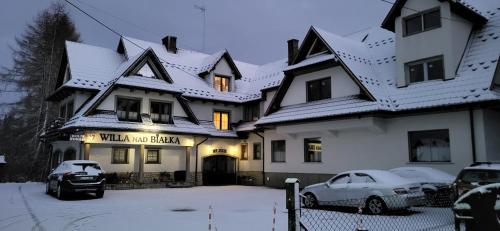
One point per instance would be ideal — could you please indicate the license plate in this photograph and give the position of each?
(86, 178)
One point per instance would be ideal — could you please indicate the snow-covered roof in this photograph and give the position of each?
(2, 159)
(371, 58)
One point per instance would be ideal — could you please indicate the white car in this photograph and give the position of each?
(374, 190)
(435, 183)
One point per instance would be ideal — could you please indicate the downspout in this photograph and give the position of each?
(196, 162)
(473, 136)
(263, 159)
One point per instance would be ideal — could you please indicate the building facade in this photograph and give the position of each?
(421, 90)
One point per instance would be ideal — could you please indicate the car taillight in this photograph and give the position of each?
(400, 191)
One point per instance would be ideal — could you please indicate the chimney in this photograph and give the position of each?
(170, 42)
(293, 49)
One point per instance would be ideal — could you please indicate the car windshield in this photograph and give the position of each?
(484, 176)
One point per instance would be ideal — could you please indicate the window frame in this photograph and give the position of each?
(222, 77)
(119, 97)
(228, 119)
(308, 92)
(431, 130)
(127, 154)
(259, 145)
(251, 112)
(171, 116)
(158, 159)
(306, 149)
(422, 21)
(243, 149)
(425, 64)
(273, 158)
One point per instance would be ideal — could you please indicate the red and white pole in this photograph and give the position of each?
(209, 218)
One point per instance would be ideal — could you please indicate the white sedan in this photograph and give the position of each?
(374, 190)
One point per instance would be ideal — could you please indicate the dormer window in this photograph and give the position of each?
(424, 70)
(319, 89)
(221, 83)
(161, 112)
(317, 48)
(421, 22)
(128, 109)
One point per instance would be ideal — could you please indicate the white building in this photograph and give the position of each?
(423, 90)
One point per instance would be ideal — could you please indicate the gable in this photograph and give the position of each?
(456, 6)
(212, 62)
(313, 45)
(147, 65)
(340, 82)
(146, 70)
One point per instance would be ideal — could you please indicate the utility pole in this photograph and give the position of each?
(203, 10)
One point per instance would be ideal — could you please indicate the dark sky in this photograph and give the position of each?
(254, 31)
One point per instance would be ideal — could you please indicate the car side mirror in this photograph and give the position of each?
(327, 185)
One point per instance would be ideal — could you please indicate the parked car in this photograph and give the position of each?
(477, 174)
(435, 183)
(479, 208)
(76, 176)
(375, 190)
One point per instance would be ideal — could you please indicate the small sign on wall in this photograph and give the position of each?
(219, 151)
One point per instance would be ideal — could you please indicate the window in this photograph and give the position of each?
(319, 89)
(244, 151)
(257, 151)
(153, 156)
(278, 150)
(69, 110)
(429, 146)
(120, 156)
(146, 71)
(161, 112)
(312, 150)
(362, 178)
(62, 111)
(221, 120)
(221, 83)
(251, 112)
(424, 70)
(128, 109)
(342, 179)
(422, 22)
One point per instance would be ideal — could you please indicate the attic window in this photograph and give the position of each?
(424, 70)
(420, 22)
(221, 83)
(146, 71)
(317, 48)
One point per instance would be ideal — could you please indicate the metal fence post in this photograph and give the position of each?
(293, 203)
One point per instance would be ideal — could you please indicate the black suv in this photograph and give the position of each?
(477, 174)
(76, 176)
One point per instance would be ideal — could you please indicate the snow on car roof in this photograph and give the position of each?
(428, 173)
(80, 162)
(485, 166)
(382, 176)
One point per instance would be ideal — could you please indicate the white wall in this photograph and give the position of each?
(110, 104)
(449, 40)
(204, 110)
(102, 154)
(341, 83)
(368, 148)
(171, 159)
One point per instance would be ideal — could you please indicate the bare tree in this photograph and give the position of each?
(36, 59)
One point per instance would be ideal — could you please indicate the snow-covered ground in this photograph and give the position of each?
(27, 207)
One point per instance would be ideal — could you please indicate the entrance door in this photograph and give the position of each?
(219, 170)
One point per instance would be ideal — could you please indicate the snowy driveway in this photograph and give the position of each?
(27, 207)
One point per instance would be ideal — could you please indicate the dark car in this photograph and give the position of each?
(76, 176)
(476, 175)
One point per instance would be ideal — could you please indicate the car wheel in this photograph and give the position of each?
(47, 188)
(99, 194)
(375, 205)
(60, 192)
(310, 201)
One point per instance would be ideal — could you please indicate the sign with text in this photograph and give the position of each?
(137, 138)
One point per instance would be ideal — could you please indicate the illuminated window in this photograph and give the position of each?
(312, 150)
(153, 156)
(221, 120)
(161, 112)
(244, 151)
(120, 156)
(221, 83)
(128, 109)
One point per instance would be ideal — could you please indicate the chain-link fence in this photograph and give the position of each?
(396, 212)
